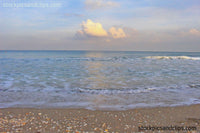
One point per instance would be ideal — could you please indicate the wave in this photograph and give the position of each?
(113, 91)
(173, 57)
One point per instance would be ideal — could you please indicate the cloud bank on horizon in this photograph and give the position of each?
(101, 25)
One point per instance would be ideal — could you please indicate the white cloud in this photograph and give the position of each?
(117, 33)
(92, 29)
(97, 4)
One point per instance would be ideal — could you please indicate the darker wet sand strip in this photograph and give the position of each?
(53, 120)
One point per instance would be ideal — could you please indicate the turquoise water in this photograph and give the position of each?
(98, 80)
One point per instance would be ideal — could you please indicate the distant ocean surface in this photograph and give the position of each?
(98, 80)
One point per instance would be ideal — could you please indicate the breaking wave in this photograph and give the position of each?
(173, 57)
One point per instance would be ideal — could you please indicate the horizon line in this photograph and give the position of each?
(109, 51)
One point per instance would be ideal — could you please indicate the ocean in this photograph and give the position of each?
(98, 80)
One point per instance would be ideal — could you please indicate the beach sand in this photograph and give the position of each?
(27, 120)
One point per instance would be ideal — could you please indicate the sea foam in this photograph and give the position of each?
(173, 57)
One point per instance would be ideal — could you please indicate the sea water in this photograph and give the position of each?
(98, 80)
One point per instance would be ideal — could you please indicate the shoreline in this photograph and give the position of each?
(52, 120)
(97, 109)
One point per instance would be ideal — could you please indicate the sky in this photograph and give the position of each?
(114, 25)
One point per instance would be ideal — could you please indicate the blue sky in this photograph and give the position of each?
(153, 25)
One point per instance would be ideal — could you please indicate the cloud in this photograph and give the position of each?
(89, 28)
(74, 15)
(97, 4)
(117, 33)
(194, 32)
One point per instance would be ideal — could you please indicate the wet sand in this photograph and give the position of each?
(27, 120)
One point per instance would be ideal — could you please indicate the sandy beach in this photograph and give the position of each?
(163, 119)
